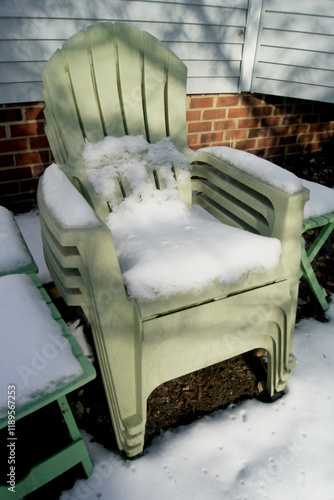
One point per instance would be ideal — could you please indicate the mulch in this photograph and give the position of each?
(188, 398)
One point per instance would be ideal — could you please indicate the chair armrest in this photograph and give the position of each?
(77, 254)
(239, 198)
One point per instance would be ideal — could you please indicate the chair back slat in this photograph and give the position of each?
(113, 79)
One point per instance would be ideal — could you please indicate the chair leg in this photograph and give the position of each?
(74, 432)
(309, 276)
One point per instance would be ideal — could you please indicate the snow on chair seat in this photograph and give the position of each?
(40, 362)
(125, 84)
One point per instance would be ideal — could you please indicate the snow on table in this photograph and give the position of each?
(164, 248)
(34, 354)
(13, 253)
(321, 200)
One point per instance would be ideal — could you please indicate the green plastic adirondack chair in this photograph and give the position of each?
(15, 262)
(113, 79)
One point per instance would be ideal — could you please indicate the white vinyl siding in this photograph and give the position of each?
(206, 34)
(281, 47)
(295, 52)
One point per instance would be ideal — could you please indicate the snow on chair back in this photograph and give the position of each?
(113, 79)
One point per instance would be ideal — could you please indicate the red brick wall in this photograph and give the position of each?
(267, 126)
(24, 154)
(264, 125)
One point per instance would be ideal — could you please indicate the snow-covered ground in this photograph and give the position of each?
(251, 451)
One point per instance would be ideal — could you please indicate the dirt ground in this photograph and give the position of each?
(188, 398)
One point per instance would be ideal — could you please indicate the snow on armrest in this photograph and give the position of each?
(64, 201)
(259, 168)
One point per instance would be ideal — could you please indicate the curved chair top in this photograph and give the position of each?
(113, 79)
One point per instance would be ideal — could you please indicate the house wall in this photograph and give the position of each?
(240, 55)
(264, 125)
(208, 35)
(229, 46)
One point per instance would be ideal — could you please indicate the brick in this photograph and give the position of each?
(245, 145)
(299, 129)
(294, 148)
(286, 110)
(290, 120)
(7, 188)
(26, 129)
(315, 146)
(6, 160)
(39, 142)
(319, 127)
(217, 137)
(305, 138)
(302, 108)
(262, 111)
(227, 100)
(257, 132)
(224, 125)
(310, 118)
(324, 136)
(235, 134)
(267, 142)
(289, 139)
(192, 139)
(220, 143)
(31, 158)
(12, 174)
(251, 100)
(13, 145)
(198, 146)
(193, 115)
(276, 151)
(38, 170)
(34, 113)
(279, 130)
(214, 114)
(270, 121)
(274, 100)
(238, 112)
(258, 152)
(199, 127)
(10, 115)
(28, 186)
(201, 102)
(248, 123)
(2, 132)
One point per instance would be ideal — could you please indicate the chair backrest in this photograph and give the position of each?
(113, 79)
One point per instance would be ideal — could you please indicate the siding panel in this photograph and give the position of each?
(295, 55)
(198, 31)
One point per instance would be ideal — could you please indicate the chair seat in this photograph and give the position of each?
(165, 249)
